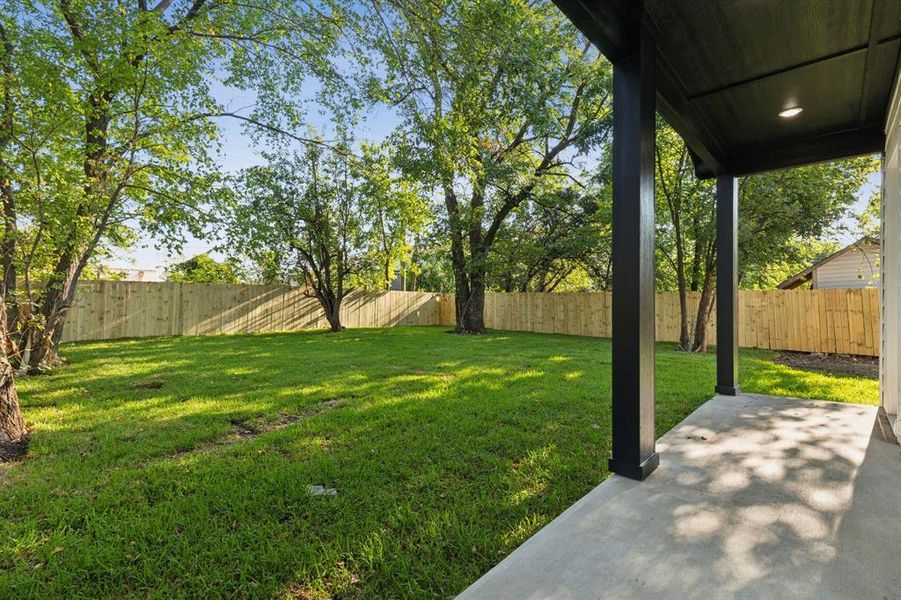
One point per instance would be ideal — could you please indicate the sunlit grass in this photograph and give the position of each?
(447, 453)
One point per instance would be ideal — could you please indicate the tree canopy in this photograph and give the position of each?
(491, 116)
(202, 268)
(110, 125)
(782, 217)
(326, 221)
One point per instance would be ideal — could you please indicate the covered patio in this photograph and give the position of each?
(750, 496)
(757, 497)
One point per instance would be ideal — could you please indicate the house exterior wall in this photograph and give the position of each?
(890, 381)
(857, 268)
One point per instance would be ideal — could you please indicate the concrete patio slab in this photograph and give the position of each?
(755, 497)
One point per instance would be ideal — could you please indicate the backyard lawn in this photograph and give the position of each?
(179, 467)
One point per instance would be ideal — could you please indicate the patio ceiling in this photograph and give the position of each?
(725, 70)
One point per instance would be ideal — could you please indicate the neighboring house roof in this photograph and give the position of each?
(805, 275)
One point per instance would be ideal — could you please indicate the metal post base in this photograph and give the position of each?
(639, 472)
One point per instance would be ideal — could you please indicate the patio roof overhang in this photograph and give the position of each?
(726, 69)
(721, 72)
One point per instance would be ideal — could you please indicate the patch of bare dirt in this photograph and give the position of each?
(260, 425)
(154, 383)
(243, 429)
(285, 419)
(329, 404)
(13, 451)
(341, 582)
(863, 366)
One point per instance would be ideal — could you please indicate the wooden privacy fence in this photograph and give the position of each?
(837, 321)
(829, 321)
(116, 309)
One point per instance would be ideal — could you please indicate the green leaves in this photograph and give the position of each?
(204, 269)
(326, 219)
(499, 99)
(114, 111)
(784, 213)
(394, 209)
(110, 123)
(558, 241)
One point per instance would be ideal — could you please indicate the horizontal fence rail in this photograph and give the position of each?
(840, 321)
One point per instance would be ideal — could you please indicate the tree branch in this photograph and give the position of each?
(161, 7)
(189, 16)
(65, 7)
(275, 129)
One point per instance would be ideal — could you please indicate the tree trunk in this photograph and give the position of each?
(12, 425)
(8, 244)
(331, 305)
(334, 320)
(469, 296)
(469, 279)
(10, 220)
(57, 299)
(705, 306)
(684, 337)
(60, 290)
(413, 266)
(471, 309)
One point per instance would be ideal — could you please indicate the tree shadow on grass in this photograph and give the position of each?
(424, 447)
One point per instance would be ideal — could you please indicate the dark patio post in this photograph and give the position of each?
(727, 285)
(634, 101)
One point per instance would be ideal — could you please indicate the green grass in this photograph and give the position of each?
(447, 453)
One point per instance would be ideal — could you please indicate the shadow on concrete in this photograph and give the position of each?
(756, 497)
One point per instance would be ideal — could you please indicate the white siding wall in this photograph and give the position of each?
(890, 382)
(857, 268)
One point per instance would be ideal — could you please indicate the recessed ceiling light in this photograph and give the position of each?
(788, 113)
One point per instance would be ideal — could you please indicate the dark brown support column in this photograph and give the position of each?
(727, 285)
(634, 97)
